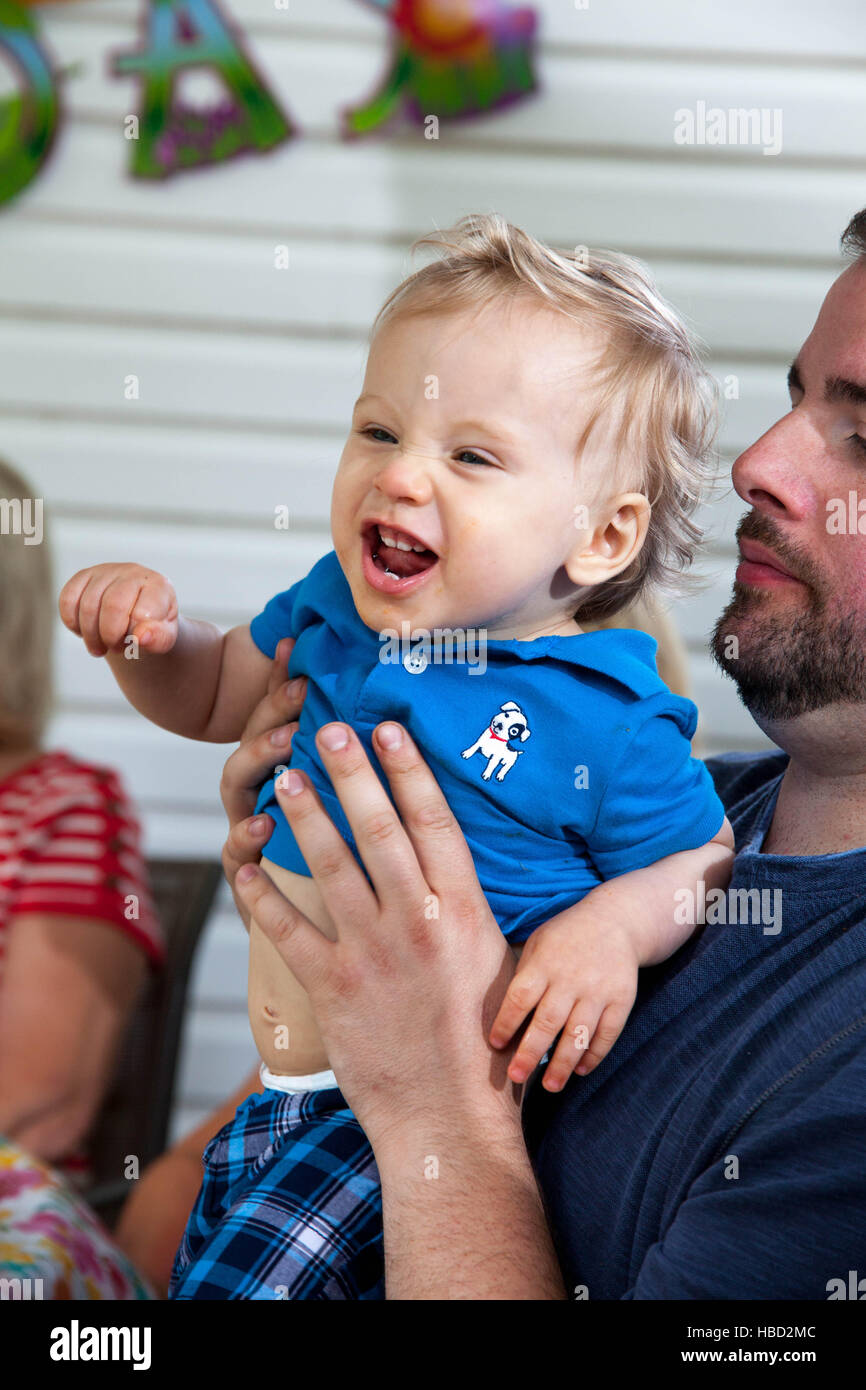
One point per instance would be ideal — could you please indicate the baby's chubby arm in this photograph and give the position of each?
(579, 970)
(182, 674)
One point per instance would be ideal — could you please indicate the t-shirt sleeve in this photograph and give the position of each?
(781, 1213)
(83, 858)
(275, 621)
(659, 799)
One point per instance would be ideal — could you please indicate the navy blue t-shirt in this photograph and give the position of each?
(719, 1150)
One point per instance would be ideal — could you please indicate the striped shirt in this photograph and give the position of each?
(70, 846)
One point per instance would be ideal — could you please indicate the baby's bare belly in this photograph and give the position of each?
(281, 1018)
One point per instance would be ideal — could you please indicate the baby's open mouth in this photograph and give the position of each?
(398, 553)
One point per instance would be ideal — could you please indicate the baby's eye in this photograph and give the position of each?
(375, 431)
(468, 456)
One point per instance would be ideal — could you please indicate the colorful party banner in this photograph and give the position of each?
(179, 35)
(28, 118)
(450, 58)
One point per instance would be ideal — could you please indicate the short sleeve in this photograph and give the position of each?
(82, 857)
(275, 621)
(658, 800)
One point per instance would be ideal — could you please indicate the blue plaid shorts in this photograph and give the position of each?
(290, 1206)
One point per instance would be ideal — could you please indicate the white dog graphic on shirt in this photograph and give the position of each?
(495, 743)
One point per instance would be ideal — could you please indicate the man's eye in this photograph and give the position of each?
(374, 432)
(859, 442)
(468, 456)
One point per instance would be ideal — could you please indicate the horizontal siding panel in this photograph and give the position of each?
(220, 976)
(171, 473)
(197, 833)
(171, 276)
(583, 100)
(400, 190)
(250, 382)
(217, 1052)
(791, 28)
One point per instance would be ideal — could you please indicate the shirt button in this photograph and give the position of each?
(415, 662)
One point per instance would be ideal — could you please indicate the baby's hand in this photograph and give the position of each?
(107, 603)
(579, 974)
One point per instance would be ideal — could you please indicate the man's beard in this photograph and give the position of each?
(786, 666)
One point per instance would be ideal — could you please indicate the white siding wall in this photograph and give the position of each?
(247, 373)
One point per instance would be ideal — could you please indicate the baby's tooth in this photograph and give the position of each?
(391, 541)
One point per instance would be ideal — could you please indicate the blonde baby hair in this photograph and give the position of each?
(651, 369)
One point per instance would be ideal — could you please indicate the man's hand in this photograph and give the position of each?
(579, 973)
(404, 1000)
(405, 997)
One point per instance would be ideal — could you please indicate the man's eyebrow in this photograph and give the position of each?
(840, 388)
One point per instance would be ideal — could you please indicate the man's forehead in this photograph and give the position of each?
(836, 347)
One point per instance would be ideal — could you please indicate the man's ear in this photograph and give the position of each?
(616, 539)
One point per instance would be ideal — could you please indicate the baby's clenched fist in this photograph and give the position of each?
(108, 603)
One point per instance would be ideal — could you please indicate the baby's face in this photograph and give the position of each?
(464, 447)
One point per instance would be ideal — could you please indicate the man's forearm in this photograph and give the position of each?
(463, 1217)
(177, 689)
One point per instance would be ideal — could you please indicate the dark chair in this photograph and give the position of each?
(134, 1118)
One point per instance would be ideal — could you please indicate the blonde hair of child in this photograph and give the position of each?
(651, 371)
(26, 623)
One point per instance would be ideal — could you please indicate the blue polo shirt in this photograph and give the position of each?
(597, 776)
(719, 1150)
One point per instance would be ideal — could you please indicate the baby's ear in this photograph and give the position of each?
(616, 540)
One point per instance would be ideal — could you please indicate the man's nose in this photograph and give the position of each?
(776, 475)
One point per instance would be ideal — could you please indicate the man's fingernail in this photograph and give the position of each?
(281, 737)
(390, 735)
(334, 736)
(290, 782)
(245, 873)
(257, 825)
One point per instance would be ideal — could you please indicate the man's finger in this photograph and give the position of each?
(303, 947)
(280, 706)
(345, 891)
(280, 664)
(244, 843)
(430, 824)
(247, 767)
(382, 842)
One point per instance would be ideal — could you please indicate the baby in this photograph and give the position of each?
(530, 443)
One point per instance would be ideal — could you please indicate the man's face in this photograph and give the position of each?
(793, 636)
